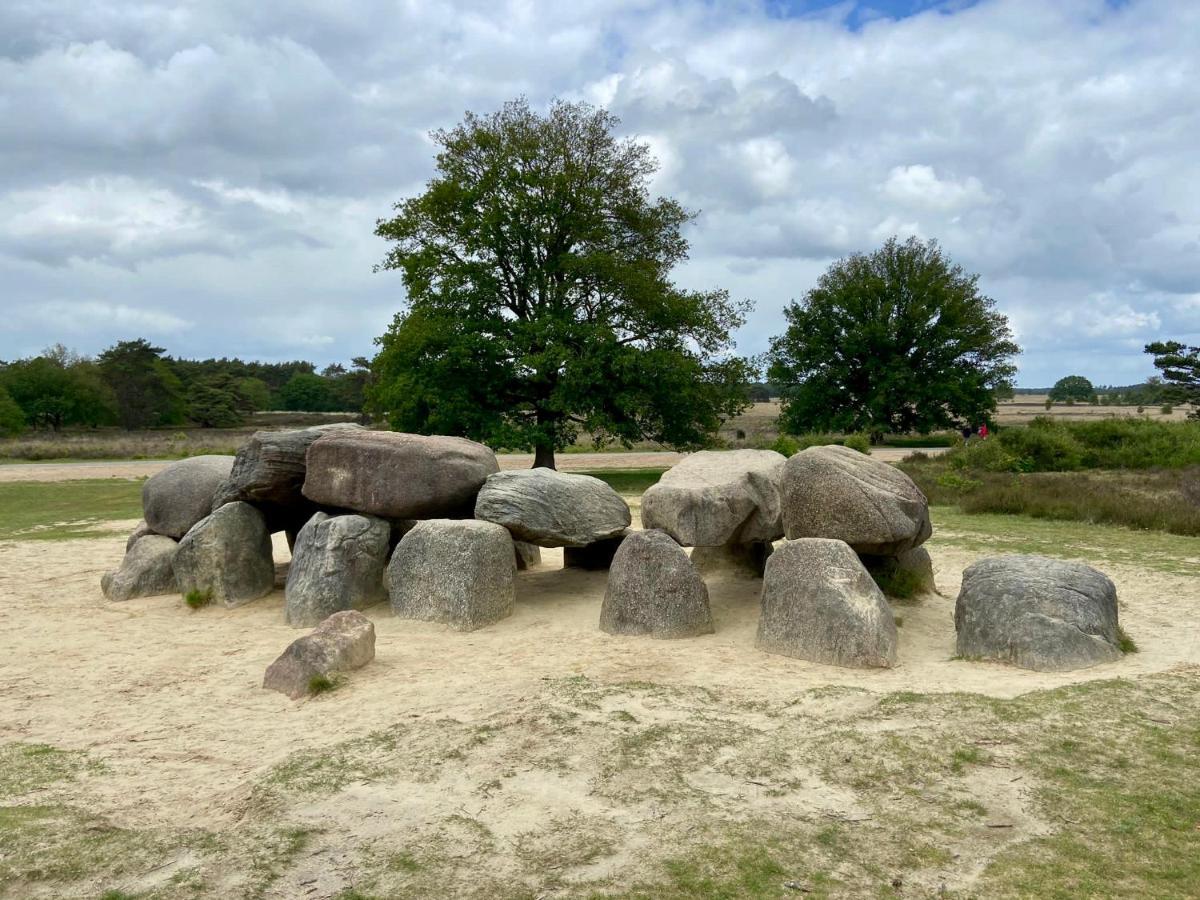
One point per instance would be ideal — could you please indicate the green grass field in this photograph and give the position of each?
(59, 510)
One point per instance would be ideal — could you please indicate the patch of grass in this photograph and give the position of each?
(198, 599)
(897, 583)
(1125, 642)
(64, 510)
(323, 684)
(629, 482)
(30, 767)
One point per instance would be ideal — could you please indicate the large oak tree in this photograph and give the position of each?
(893, 341)
(540, 301)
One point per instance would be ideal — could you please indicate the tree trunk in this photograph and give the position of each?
(543, 456)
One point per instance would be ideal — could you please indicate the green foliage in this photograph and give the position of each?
(1180, 367)
(629, 482)
(787, 445)
(217, 403)
(1072, 388)
(59, 389)
(255, 393)
(323, 684)
(147, 391)
(898, 341)
(896, 583)
(62, 510)
(859, 442)
(12, 419)
(308, 392)
(540, 304)
(197, 599)
(1125, 642)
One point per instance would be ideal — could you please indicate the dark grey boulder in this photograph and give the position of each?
(836, 492)
(227, 556)
(137, 534)
(397, 476)
(819, 604)
(1050, 615)
(146, 571)
(268, 471)
(527, 555)
(654, 589)
(456, 571)
(912, 566)
(552, 509)
(718, 497)
(337, 564)
(341, 643)
(595, 556)
(741, 560)
(179, 496)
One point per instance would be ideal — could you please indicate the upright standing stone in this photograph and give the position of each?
(179, 496)
(456, 571)
(718, 497)
(1050, 615)
(819, 604)
(552, 509)
(836, 492)
(227, 556)
(527, 555)
(654, 589)
(397, 476)
(337, 564)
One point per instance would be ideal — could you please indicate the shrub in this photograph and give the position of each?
(322, 684)
(12, 419)
(859, 442)
(195, 599)
(786, 445)
(1167, 409)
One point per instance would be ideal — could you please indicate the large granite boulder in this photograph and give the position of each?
(341, 643)
(179, 496)
(227, 557)
(457, 571)
(552, 509)
(397, 476)
(717, 497)
(146, 571)
(654, 589)
(1049, 615)
(337, 564)
(268, 471)
(819, 604)
(836, 492)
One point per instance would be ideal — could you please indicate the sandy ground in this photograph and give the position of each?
(567, 462)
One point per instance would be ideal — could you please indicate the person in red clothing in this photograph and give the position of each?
(983, 432)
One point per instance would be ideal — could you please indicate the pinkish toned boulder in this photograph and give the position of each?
(397, 476)
(343, 642)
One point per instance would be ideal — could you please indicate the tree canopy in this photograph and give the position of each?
(147, 391)
(1180, 367)
(894, 341)
(1072, 387)
(539, 299)
(59, 389)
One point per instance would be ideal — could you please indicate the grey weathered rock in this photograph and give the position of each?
(836, 492)
(342, 642)
(179, 496)
(1049, 615)
(146, 570)
(137, 534)
(337, 564)
(527, 555)
(268, 471)
(456, 571)
(397, 476)
(718, 497)
(654, 589)
(915, 565)
(745, 560)
(227, 555)
(819, 603)
(552, 509)
(594, 556)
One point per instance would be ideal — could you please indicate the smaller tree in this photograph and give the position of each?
(307, 392)
(12, 419)
(147, 391)
(1074, 388)
(1180, 367)
(59, 389)
(255, 392)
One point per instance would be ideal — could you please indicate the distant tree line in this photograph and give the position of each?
(135, 385)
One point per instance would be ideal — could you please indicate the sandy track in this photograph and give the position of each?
(567, 462)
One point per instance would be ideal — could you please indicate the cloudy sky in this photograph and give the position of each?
(207, 174)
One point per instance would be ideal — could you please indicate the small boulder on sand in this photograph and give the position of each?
(337, 564)
(819, 604)
(227, 557)
(146, 571)
(717, 497)
(836, 492)
(341, 643)
(179, 496)
(654, 589)
(456, 571)
(397, 476)
(552, 509)
(1050, 615)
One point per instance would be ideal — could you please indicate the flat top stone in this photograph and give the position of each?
(552, 509)
(713, 468)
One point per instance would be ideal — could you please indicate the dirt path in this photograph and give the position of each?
(567, 462)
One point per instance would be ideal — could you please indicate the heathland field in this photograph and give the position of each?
(139, 756)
